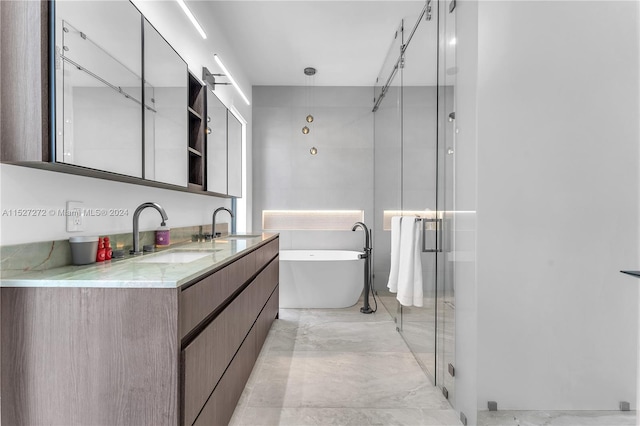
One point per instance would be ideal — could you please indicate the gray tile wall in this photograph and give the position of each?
(287, 177)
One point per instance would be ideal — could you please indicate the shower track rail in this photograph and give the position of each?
(426, 11)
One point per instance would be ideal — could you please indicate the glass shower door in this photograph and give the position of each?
(413, 146)
(446, 307)
(387, 168)
(419, 172)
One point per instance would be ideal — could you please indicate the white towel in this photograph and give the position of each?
(392, 284)
(410, 263)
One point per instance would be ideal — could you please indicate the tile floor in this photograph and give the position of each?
(339, 367)
(557, 418)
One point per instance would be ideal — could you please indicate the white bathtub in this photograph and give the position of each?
(320, 278)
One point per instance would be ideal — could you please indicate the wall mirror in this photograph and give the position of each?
(216, 144)
(124, 104)
(234, 156)
(166, 121)
(99, 85)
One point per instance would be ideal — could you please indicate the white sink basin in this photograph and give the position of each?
(175, 257)
(238, 237)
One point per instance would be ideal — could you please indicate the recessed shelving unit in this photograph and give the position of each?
(196, 109)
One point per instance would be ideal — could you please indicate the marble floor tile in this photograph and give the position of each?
(556, 418)
(258, 416)
(351, 313)
(427, 361)
(339, 366)
(344, 379)
(379, 336)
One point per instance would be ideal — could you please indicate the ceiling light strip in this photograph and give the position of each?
(230, 77)
(192, 18)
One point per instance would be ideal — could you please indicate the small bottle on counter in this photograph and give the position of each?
(101, 254)
(162, 235)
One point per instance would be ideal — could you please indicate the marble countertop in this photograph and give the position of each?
(136, 272)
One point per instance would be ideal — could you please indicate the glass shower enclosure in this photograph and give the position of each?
(413, 154)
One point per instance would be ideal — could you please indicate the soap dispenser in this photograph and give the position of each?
(162, 235)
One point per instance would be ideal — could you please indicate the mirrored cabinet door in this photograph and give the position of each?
(216, 144)
(166, 120)
(234, 146)
(99, 85)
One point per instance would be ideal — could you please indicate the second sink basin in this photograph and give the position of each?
(240, 236)
(175, 257)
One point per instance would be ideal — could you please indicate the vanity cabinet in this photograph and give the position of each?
(216, 144)
(234, 156)
(98, 86)
(165, 118)
(206, 358)
(113, 100)
(220, 406)
(224, 149)
(24, 127)
(161, 356)
(224, 322)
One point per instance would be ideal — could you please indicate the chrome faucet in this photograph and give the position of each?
(136, 217)
(367, 241)
(213, 225)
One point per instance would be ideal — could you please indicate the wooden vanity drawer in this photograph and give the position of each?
(267, 252)
(207, 357)
(221, 405)
(265, 283)
(202, 298)
(264, 321)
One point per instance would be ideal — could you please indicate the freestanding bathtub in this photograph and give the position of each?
(320, 278)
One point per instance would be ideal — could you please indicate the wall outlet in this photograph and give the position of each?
(75, 216)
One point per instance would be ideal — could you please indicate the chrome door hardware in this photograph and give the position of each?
(430, 234)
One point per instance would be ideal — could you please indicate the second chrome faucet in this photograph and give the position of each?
(213, 224)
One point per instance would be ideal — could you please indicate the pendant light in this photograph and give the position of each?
(309, 72)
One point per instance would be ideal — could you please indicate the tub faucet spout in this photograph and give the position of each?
(367, 241)
(213, 224)
(136, 218)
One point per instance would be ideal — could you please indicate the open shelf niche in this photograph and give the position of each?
(197, 125)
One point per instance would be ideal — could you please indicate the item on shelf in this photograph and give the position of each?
(107, 249)
(101, 253)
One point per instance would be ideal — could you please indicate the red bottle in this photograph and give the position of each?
(100, 256)
(108, 252)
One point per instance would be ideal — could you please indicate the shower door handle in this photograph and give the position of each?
(427, 233)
